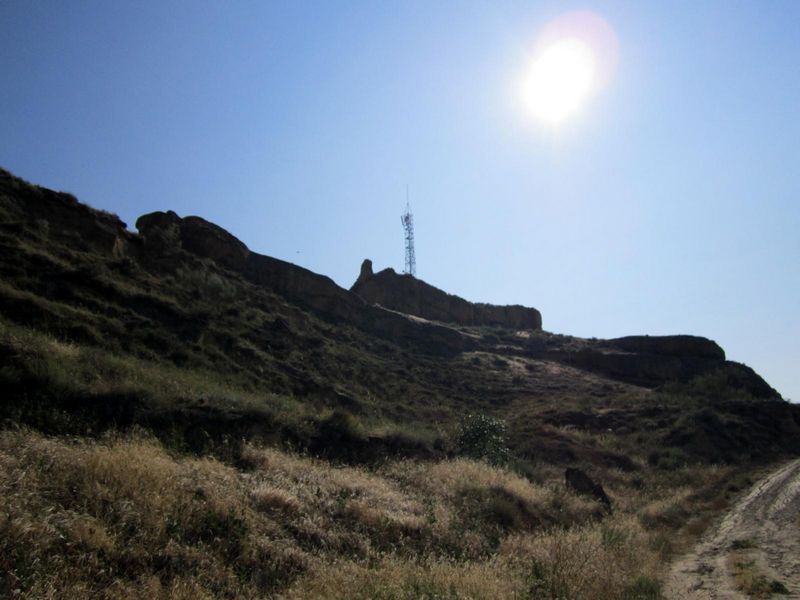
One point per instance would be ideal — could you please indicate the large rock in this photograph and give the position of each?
(413, 296)
(580, 483)
(161, 234)
(166, 234)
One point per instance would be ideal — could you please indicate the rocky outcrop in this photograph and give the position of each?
(642, 368)
(396, 307)
(650, 361)
(206, 239)
(364, 274)
(161, 237)
(165, 236)
(305, 287)
(413, 296)
(670, 345)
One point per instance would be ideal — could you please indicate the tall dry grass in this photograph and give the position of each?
(122, 517)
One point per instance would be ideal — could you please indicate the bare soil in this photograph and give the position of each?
(759, 539)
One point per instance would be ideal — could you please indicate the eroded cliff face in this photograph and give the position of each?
(396, 308)
(413, 296)
(165, 236)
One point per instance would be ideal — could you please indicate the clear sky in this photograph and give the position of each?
(668, 204)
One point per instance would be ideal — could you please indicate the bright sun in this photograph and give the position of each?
(575, 57)
(559, 80)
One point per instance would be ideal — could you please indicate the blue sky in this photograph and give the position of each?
(669, 204)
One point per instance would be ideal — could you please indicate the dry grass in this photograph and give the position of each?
(747, 575)
(121, 517)
(396, 578)
(600, 560)
(81, 369)
(87, 517)
(205, 359)
(344, 509)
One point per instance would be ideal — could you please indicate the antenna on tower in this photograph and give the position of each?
(408, 226)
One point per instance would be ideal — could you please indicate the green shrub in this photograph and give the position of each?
(482, 437)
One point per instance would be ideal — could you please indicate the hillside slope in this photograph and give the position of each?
(183, 295)
(181, 332)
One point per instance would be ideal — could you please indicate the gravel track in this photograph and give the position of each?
(765, 525)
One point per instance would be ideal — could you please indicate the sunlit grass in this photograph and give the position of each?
(112, 514)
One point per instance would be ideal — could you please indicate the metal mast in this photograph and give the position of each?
(408, 226)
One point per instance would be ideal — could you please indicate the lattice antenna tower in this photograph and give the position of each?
(408, 226)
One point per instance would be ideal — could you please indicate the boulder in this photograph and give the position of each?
(580, 483)
(161, 234)
(157, 222)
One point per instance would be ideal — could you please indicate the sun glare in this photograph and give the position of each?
(575, 57)
(559, 80)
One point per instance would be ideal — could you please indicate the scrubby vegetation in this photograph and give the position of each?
(169, 429)
(484, 438)
(122, 516)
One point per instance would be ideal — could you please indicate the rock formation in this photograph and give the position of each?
(413, 296)
(165, 235)
(398, 308)
(670, 345)
(652, 360)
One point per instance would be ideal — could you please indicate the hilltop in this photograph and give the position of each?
(223, 369)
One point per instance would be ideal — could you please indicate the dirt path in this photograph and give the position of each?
(758, 541)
